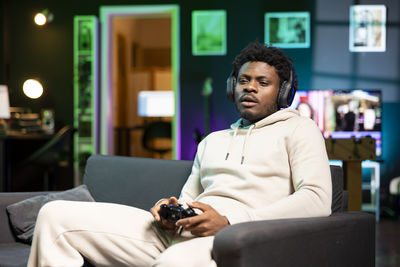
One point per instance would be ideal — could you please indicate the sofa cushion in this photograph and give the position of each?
(138, 182)
(14, 254)
(23, 214)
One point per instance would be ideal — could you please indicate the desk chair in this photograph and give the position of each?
(55, 153)
(157, 130)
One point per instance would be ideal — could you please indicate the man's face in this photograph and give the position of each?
(256, 91)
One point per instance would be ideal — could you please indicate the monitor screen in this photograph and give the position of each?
(4, 103)
(343, 113)
(156, 103)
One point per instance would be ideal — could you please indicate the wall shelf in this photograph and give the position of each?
(85, 92)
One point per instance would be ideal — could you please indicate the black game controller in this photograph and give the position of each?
(174, 213)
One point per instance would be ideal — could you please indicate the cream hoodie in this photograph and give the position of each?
(275, 168)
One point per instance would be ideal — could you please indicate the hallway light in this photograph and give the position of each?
(32, 88)
(43, 17)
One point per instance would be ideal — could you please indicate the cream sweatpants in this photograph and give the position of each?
(110, 235)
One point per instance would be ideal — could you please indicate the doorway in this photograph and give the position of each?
(140, 54)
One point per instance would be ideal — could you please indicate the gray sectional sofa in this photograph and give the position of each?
(342, 239)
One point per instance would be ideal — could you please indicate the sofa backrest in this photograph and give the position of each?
(138, 182)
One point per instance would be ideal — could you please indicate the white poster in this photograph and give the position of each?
(367, 28)
(4, 103)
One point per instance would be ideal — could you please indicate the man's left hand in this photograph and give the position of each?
(206, 224)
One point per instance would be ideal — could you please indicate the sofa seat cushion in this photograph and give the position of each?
(14, 254)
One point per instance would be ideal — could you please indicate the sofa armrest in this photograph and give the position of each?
(342, 239)
(6, 234)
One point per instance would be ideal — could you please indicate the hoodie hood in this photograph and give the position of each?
(280, 115)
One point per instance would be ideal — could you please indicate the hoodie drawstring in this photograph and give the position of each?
(230, 143)
(244, 143)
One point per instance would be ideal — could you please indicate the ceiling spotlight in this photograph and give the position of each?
(43, 17)
(32, 88)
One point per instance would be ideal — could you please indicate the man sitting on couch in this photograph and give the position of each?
(271, 164)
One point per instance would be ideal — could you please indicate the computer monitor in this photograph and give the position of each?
(156, 103)
(4, 102)
(344, 113)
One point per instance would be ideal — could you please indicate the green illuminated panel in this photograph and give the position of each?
(287, 29)
(209, 32)
(85, 92)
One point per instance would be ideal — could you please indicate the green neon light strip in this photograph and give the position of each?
(209, 32)
(75, 108)
(271, 20)
(175, 46)
(156, 11)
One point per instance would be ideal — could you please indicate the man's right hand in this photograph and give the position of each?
(163, 223)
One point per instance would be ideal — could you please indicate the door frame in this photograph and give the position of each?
(107, 13)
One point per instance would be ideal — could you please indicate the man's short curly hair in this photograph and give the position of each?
(273, 56)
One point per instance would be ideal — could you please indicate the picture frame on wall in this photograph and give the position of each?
(208, 32)
(287, 29)
(367, 31)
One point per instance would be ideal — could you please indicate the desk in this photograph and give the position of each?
(352, 152)
(373, 185)
(14, 147)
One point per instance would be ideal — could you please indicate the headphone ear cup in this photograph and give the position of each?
(230, 88)
(284, 90)
(286, 93)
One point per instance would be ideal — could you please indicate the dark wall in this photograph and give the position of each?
(47, 53)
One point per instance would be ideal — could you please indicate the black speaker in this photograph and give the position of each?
(285, 94)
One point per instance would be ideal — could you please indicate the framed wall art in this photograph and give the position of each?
(287, 29)
(208, 32)
(367, 31)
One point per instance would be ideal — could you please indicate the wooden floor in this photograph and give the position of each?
(388, 243)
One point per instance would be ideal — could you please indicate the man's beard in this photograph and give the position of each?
(254, 117)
